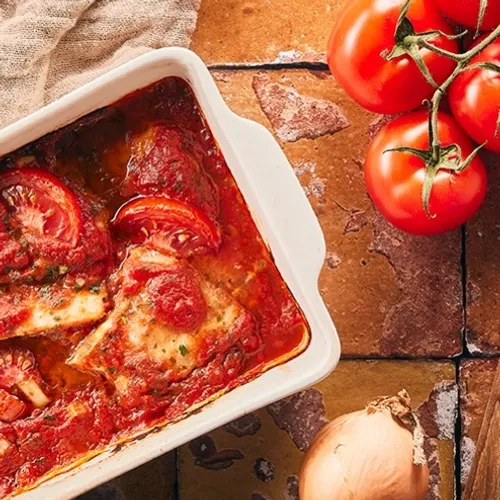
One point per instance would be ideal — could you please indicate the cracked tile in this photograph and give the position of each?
(296, 116)
(483, 269)
(154, 480)
(389, 293)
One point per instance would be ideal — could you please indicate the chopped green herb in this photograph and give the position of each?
(111, 369)
(45, 292)
(95, 288)
(183, 350)
(51, 273)
(6, 218)
(178, 187)
(50, 418)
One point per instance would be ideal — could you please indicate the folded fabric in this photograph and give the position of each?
(50, 47)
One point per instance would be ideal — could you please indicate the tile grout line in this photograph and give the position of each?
(465, 353)
(314, 66)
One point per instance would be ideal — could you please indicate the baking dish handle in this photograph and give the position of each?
(280, 194)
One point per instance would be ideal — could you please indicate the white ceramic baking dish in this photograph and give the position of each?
(283, 215)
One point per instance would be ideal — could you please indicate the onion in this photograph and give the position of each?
(372, 454)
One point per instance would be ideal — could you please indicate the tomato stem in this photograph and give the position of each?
(462, 63)
(482, 10)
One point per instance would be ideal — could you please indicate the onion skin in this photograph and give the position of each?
(363, 456)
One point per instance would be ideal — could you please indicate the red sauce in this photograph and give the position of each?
(153, 142)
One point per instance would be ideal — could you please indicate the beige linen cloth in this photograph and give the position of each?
(50, 47)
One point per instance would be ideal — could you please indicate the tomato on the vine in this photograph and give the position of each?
(475, 99)
(466, 12)
(395, 180)
(365, 32)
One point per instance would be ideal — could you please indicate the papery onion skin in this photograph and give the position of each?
(363, 456)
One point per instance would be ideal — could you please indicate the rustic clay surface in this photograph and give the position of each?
(390, 294)
(476, 378)
(264, 31)
(483, 269)
(262, 459)
(152, 481)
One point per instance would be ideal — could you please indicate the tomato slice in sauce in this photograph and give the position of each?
(11, 408)
(18, 371)
(43, 208)
(167, 225)
(12, 254)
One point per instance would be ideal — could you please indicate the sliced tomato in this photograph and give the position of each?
(18, 371)
(11, 408)
(178, 299)
(44, 208)
(12, 254)
(167, 225)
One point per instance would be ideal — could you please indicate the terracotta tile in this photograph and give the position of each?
(389, 293)
(476, 377)
(154, 481)
(264, 31)
(259, 456)
(483, 269)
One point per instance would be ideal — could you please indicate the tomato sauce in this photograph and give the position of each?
(154, 142)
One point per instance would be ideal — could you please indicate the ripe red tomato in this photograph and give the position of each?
(475, 99)
(44, 209)
(364, 30)
(167, 225)
(466, 12)
(395, 180)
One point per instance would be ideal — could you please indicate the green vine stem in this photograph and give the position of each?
(462, 65)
